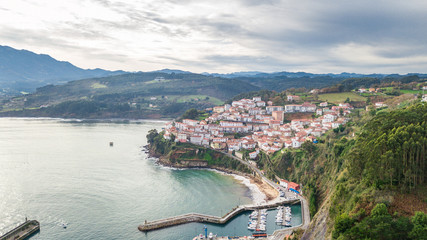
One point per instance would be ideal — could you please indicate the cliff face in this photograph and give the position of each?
(320, 223)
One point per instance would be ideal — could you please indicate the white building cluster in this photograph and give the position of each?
(260, 123)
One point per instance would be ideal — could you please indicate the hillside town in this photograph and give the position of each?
(260, 125)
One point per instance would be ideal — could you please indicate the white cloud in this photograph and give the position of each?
(222, 36)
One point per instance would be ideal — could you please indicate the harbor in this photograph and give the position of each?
(202, 218)
(286, 196)
(258, 223)
(23, 231)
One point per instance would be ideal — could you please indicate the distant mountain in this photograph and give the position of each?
(235, 74)
(22, 70)
(169, 71)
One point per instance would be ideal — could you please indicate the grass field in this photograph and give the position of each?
(341, 97)
(98, 85)
(190, 98)
(411, 91)
(157, 81)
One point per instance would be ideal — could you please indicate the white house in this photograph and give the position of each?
(190, 122)
(284, 183)
(253, 155)
(271, 109)
(296, 143)
(260, 104)
(182, 137)
(196, 139)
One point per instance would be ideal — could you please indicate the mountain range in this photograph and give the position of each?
(22, 70)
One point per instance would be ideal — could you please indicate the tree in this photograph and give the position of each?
(419, 220)
(190, 114)
(342, 223)
(379, 210)
(151, 135)
(309, 148)
(172, 137)
(278, 101)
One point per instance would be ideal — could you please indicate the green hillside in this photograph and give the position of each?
(136, 95)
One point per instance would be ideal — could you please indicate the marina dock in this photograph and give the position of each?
(203, 218)
(22, 231)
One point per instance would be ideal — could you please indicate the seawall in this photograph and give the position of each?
(203, 218)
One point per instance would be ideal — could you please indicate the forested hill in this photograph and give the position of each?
(345, 81)
(392, 148)
(134, 95)
(377, 183)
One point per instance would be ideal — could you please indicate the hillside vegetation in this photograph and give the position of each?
(357, 176)
(136, 95)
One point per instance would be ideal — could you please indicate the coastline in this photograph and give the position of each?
(94, 120)
(261, 192)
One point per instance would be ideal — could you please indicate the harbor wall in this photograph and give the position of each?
(202, 218)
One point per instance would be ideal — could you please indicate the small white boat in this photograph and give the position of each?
(252, 227)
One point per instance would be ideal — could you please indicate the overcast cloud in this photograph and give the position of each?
(364, 36)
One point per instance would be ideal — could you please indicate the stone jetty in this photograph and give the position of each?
(203, 218)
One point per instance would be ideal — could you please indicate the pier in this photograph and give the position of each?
(203, 218)
(22, 231)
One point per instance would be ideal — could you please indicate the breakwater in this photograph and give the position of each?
(203, 218)
(22, 231)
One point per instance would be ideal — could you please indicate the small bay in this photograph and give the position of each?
(58, 171)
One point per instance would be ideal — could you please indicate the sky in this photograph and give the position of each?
(223, 36)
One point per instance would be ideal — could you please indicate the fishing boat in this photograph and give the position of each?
(259, 234)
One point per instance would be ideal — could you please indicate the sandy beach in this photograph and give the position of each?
(260, 191)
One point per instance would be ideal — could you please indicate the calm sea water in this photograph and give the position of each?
(58, 171)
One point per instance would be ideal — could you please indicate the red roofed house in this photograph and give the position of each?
(323, 104)
(293, 186)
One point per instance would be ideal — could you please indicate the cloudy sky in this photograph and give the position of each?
(364, 36)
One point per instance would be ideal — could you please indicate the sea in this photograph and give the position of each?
(64, 173)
